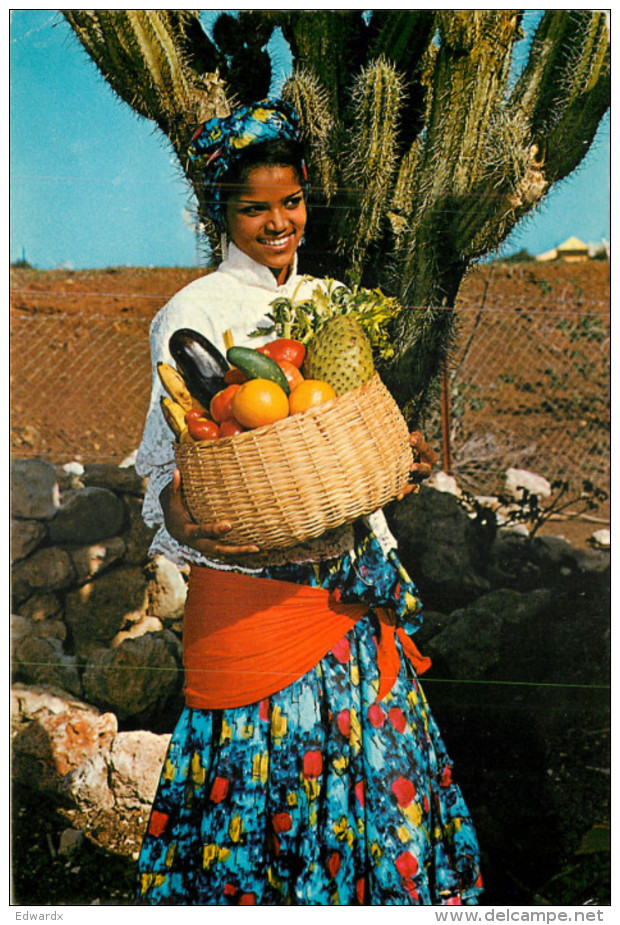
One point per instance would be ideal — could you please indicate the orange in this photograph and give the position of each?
(258, 402)
(308, 394)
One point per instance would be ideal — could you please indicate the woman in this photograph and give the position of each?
(319, 785)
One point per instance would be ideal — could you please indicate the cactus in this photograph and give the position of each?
(424, 151)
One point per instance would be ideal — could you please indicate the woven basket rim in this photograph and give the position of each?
(283, 423)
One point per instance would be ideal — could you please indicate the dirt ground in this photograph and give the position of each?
(80, 369)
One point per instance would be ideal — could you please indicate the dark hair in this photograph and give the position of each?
(277, 152)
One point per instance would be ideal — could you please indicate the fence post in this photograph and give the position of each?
(446, 450)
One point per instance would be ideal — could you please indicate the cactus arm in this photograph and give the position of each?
(370, 157)
(565, 87)
(545, 128)
(144, 56)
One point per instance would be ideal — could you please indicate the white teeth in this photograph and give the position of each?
(276, 242)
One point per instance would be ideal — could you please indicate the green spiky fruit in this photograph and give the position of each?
(340, 354)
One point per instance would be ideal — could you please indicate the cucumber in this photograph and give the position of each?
(256, 365)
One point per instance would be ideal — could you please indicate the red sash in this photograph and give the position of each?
(244, 638)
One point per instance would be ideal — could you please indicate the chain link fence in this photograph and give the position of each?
(527, 387)
(530, 389)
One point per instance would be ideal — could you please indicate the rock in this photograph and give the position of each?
(138, 536)
(110, 795)
(129, 461)
(119, 480)
(443, 549)
(601, 539)
(48, 569)
(34, 490)
(555, 553)
(22, 626)
(45, 606)
(508, 529)
(146, 625)
(87, 516)
(137, 678)
(518, 479)
(513, 562)
(89, 561)
(52, 734)
(87, 787)
(136, 759)
(26, 535)
(166, 589)
(41, 660)
(471, 644)
(441, 481)
(99, 609)
(70, 841)
(70, 477)
(593, 560)
(73, 468)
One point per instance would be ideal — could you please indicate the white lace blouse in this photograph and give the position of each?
(237, 296)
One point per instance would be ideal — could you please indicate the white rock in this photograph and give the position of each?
(73, 468)
(441, 481)
(488, 501)
(517, 479)
(518, 529)
(129, 461)
(602, 539)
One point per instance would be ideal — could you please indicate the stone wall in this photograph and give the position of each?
(92, 614)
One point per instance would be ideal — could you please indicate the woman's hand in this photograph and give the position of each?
(424, 459)
(201, 537)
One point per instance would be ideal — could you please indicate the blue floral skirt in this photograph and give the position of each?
(318, 795)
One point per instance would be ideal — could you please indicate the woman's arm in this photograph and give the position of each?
(163, 502)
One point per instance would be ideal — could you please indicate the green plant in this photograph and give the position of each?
(530, 510)
(303, 319)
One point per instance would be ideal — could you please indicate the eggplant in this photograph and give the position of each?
(200, 363)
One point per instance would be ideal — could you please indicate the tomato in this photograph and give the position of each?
(284, 348)
(220, 408)
(230, 428)
(234, 375)
(291, 372)
(201, 428)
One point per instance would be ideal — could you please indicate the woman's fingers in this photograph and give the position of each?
(420, 472)
(209, 547)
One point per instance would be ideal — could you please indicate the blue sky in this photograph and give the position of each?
(93, 185)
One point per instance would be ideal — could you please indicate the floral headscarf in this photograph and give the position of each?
(217, 144)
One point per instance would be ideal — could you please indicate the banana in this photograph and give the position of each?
(174, 415)
(175, 386)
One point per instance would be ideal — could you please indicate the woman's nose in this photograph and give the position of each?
(276, 220)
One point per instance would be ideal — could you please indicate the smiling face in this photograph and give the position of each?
(267, 217)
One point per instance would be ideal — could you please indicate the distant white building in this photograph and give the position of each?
(572, 250)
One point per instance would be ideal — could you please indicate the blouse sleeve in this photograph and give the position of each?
(155, 458)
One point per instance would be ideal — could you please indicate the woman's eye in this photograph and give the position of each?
(293, 202)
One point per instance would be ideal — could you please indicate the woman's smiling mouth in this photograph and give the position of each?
(277, 243)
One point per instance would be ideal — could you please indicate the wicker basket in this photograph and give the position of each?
(291, 481)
